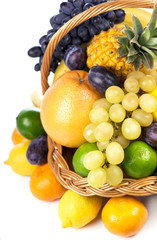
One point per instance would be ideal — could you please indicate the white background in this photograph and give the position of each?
(22, 216)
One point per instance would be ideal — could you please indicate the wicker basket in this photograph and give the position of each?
(57, 155)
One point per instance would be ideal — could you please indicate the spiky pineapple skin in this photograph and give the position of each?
(102, 51)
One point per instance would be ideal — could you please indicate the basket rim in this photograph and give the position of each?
(69, 179)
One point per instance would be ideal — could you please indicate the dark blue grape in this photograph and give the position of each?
(73, 32)
(75, 12)
(44, 46)
(86, 38)
(119, 20)
(100, 78)
(82, 31)
(75, 58)
(88, 1)
(66, 19)
(49, 36)
(96, 20)
(105, 25)
(66, 7)
(78, 3)
(111, 16)
(150, 135)
(37, 67)
(93, 30)
(41, 60)
(87, 6)
(65, 40)
(37, 151)
(119, 13)
(42, 39)
(95, 2)
(55, 27)
(54, 64)
(76, 41)
(111, 24)
(50, 31)
(59, 18)
(35, 52)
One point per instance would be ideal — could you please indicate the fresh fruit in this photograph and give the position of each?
(79, 155)
(131, 84)
(61, 69)
(130, 102)
(144, 118)
(66, 106)
(88, 133)
(148, 103)
(119, 138)
(18, 161)
(101, 78)
(140, 160)
(18, 138)
(44, 185)
(76, 211)
(117, 113)
(102, 102)
(98, 115)
(28, 123)
(36, 97)
(97, 178)
(150, 135)
(93, 160)
(37, 151)
(114, 94)
(131, 129)
(80, 34)
(124, 216)
(75, 58)
(114, 153)
(121, 50)
(114, 175)
(103, 132)
(147, 83)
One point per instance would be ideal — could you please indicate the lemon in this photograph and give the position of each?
(18, 161)
(77, 211)
(154, 94)
(61, 69)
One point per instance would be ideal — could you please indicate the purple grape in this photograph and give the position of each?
(35, 52)
(59, 18)
(75, 58)
(37, 151)
(100, 78)
(42, 39)
(37, 67)
(66, 7)
(150, 135)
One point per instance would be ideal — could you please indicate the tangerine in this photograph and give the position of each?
(124, 216)
(44, 185)
(65, 108)
(18, 138)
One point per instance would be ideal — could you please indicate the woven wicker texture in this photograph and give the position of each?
(61, 167)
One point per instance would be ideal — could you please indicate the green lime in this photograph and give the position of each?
(79, 156)
(29, 124)
(140, 160)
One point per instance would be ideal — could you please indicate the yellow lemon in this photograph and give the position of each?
(61, 69)
(154, 93)
(76, 211)
(18, 161)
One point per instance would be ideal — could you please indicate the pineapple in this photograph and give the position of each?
(123, 49)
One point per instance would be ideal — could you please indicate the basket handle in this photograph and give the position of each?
(77, 20)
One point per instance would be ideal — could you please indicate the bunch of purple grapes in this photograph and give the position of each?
(78, 35)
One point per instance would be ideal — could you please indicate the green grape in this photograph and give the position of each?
(117, 113)
(131, 84)
(97, 178)
(102, 145)
(103, 132)
(102, 102)
(114, 153)
(135, 74)
(121, 140)
(94, 160)
(88, 133)
(98, 115)
(131, 129)
(130, 101)
(114, 175)
(114, 94)
(144, 118)
(147, 83)
(148, 103)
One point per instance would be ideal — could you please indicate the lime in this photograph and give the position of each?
(79, 156)
(140, 160)
(29, 124)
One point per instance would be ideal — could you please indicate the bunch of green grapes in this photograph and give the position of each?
(115, 121)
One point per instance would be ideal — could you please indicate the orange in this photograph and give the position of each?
(124, 216)
(65, 108)
(44, 185)
(18, 138)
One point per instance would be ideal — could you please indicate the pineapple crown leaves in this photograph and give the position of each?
(139, 45)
